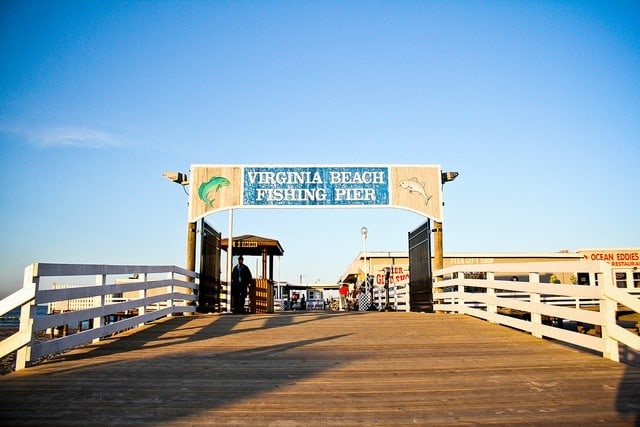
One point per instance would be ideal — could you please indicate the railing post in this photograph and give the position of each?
(460, 303)
(395, 297)
(98, 301)
(374, 298)
(170, 302)
(142, 296)
(534, 300)
(27, 314)
(608, 308)
(492, 309)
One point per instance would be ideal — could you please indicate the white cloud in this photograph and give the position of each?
(74, 137)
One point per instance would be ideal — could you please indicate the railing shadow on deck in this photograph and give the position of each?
(193, 374)
(207, 378)
(493, 294)
(209, 370)
(627, 402)
(188, 330)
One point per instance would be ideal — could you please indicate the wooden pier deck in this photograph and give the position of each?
(323, 368)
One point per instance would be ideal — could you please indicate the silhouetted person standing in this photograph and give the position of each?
(240, 281)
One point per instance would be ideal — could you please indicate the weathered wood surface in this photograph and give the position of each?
(323, 369)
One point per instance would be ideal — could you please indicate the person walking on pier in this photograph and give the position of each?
(240, 281)
(344, 291)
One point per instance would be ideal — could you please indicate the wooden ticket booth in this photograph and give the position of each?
(261, 294)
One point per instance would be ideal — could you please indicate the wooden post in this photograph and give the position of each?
(438, 258)
(264, 264)
(169, 290)
(461, 302)
(190, 263)
(99, 301)
(608, 308)
(191, 249)
(142, 296)
(492, 308)
(534, 299)
(28, 311)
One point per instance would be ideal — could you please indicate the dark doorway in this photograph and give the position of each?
(210, 288)
(420, 282)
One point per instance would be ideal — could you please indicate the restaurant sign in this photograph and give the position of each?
(218, 187)
(616, 257)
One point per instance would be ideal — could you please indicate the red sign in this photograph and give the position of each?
(398, 276)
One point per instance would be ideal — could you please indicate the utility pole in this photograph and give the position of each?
(190, 263)
(438, 257)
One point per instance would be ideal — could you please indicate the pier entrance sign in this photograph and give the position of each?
(218, 187)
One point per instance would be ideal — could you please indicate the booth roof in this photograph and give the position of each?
(251, 245)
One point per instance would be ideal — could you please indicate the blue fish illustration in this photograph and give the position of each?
(214, 184)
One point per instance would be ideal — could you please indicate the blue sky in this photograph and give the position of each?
(535, 104)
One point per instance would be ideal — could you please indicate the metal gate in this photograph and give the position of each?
(210, 289)
(420, 282)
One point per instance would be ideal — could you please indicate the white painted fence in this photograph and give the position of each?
(596, 304)
(161, 291)
(398, 297)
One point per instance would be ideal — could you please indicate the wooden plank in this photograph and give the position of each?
(43, 269)
(323, 368)
(16, 299)
(63, 294)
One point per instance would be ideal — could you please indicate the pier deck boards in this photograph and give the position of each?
(321, 368)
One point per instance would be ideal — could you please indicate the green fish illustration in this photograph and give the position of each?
(214, 184)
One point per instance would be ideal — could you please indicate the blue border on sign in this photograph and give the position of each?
(315, 186)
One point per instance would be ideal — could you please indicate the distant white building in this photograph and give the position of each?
(625, 263)
(78, 303)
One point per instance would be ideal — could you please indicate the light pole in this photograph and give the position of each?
(438, 261)
(364, 233)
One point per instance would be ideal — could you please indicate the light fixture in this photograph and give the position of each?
(178, 178)
(449, 176)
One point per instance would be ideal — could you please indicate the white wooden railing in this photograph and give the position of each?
(596, 304)
(160, 291)
(398, 297)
